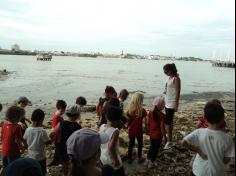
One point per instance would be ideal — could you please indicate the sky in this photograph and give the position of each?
(199, 28)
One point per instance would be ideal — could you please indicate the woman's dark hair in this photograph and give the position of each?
(155, 114)
(172, 68)
(61, 104)
(37, 115)
(81, 101)
(14, 114)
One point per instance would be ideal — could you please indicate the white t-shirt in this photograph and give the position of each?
(36, 137)
(170, 97)
(216, 145)
(105, 155)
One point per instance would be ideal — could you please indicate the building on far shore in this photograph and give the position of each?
(15, 47)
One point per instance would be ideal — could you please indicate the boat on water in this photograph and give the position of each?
(229, 64)
(44, 57)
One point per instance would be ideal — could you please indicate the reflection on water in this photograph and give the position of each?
(69, 77)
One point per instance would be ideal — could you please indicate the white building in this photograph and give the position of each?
(15, 47)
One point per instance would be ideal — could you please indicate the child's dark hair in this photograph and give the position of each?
(113, 113)
(73, 116)
(213, 112)
(37, 115)
(113, 102)
(61, 104)
(81, 101)
(155, 114)
(14, 114)
(216, 101)
(0, 107)
(172, 68)
(110, 89)
(123, 94)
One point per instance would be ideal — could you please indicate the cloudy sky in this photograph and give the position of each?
(201, 28)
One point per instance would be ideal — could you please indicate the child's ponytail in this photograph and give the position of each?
(155, 114)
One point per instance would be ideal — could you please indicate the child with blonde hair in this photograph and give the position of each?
(136, 122)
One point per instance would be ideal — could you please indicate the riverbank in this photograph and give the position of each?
(176, 160)
(170, 162)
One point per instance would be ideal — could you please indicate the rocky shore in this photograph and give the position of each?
(174, 161)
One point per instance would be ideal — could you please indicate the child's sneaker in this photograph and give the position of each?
(168, 146)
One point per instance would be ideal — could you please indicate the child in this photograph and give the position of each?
(36, 138)
(156, 130)
(81, 101)
(122, 97)
(109, 93)
(23, 167)
(136, 123)
(22, 103)
(110, 151)
(57, 118)
(66, 128)
(12, 135)
(172, 94)
(203, 122)
(83, 148)
(214, 148)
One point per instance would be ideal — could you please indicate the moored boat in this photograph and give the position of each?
(44, 57)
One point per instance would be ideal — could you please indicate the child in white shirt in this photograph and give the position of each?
(37, 138)
(214, 148)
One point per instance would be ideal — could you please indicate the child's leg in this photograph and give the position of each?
(43, 166)
(5, 161)
(57, 156)
(140, 146)
(131, 146)
(150, 151)
(156, 145)
(65, 168)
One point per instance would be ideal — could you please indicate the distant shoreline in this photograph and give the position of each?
(99, 55)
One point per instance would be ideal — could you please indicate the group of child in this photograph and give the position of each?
(79, 149)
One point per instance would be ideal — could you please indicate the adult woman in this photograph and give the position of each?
(172, 94)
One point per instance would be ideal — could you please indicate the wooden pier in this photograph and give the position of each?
(228, 64)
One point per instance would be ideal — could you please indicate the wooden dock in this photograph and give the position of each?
(228, 64)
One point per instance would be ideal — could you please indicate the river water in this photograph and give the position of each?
(70, 77)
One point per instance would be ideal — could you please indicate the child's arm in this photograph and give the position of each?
(194, 148)
(178, 88)
(54, 131)
(112, 148)
(28, 120)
